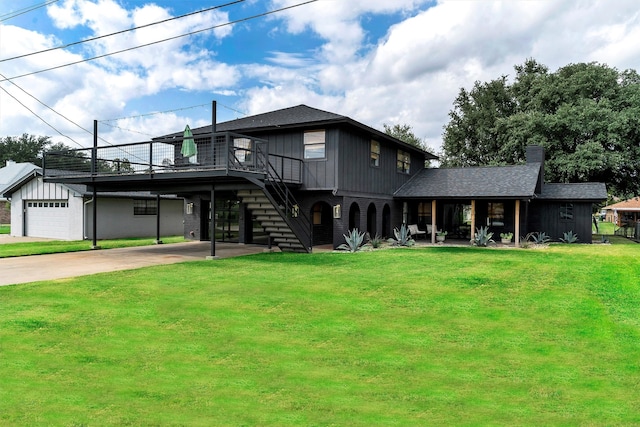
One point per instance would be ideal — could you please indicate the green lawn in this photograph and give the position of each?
(5, 229)
(59, 246)
(431, 336)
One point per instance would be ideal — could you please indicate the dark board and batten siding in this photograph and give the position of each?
(318, 174)
(544, 216)
(357, 174)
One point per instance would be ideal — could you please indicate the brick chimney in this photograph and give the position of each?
(535, 154)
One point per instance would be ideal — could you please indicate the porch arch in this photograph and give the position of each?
(354, 216)
(372, 226)
(386, 220)
(321, 218)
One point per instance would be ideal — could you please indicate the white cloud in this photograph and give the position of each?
(410, 75)
(414, 73)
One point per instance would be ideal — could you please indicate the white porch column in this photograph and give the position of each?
(517, 228)
(433, 221)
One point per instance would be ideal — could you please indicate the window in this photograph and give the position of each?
(317, 214)
(566, 212)
(424, 213)
(314, 144)
(375, 153)
(242, 149)
(495, 214)
(145, 207)
(404, 162)
(51, 204)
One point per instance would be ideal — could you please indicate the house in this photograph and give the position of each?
(626, 216)
(623, 213)
(506, 199)
(8, 175)
(65, 211)
(300, 177)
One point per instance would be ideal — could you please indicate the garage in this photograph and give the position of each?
(47, 218)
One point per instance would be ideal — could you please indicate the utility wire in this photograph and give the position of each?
(61, 115)
(120, 32)
(41, 119)
(162, 41)
(28, 9)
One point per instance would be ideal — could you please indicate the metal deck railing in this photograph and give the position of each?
(224, 151)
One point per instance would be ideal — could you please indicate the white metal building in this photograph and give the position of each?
(65, 211)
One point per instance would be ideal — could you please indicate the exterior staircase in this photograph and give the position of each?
(274, 220)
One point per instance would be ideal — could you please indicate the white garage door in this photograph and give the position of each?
(47, 218)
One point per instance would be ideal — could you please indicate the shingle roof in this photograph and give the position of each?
(584, 191)
(629, 205)
(473, 182)
(12, 173)
(292, 117)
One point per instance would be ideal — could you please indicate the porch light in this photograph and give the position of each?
(337, 212)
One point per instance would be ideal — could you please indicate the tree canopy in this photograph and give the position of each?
(586, 116)
(23, 149)
(404, 133)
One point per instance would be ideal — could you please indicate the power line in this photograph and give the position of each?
(59, 114)
(162, 41)
(28, 9)
(41, 119)
(120, 32)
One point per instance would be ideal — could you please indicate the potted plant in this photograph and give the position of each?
(505, 238)
(440, 235)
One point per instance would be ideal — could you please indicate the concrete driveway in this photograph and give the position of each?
(58, 266)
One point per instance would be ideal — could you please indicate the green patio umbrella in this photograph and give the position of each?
(189, 147)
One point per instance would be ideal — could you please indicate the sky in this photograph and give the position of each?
(375, 61)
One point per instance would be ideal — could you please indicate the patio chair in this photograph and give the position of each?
(415, 231)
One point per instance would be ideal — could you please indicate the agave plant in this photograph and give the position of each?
(354, 240)
(483, 237)
(376, 241)
(540, 238)
(569, 237)
(402, 237)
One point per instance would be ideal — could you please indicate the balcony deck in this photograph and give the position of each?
(159, 165)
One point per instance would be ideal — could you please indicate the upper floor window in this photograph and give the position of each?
(566, 211)
(375, 153)
(145, 207)
(314, 144)
(403, 164)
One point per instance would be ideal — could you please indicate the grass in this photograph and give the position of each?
(431, 336)
(59, 246)
(5, 229)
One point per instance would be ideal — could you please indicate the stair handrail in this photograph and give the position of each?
(287, 199)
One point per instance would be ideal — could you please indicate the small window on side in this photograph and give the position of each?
(375, 153)
(403, 165)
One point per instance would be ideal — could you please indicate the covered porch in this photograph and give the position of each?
(460, 218)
